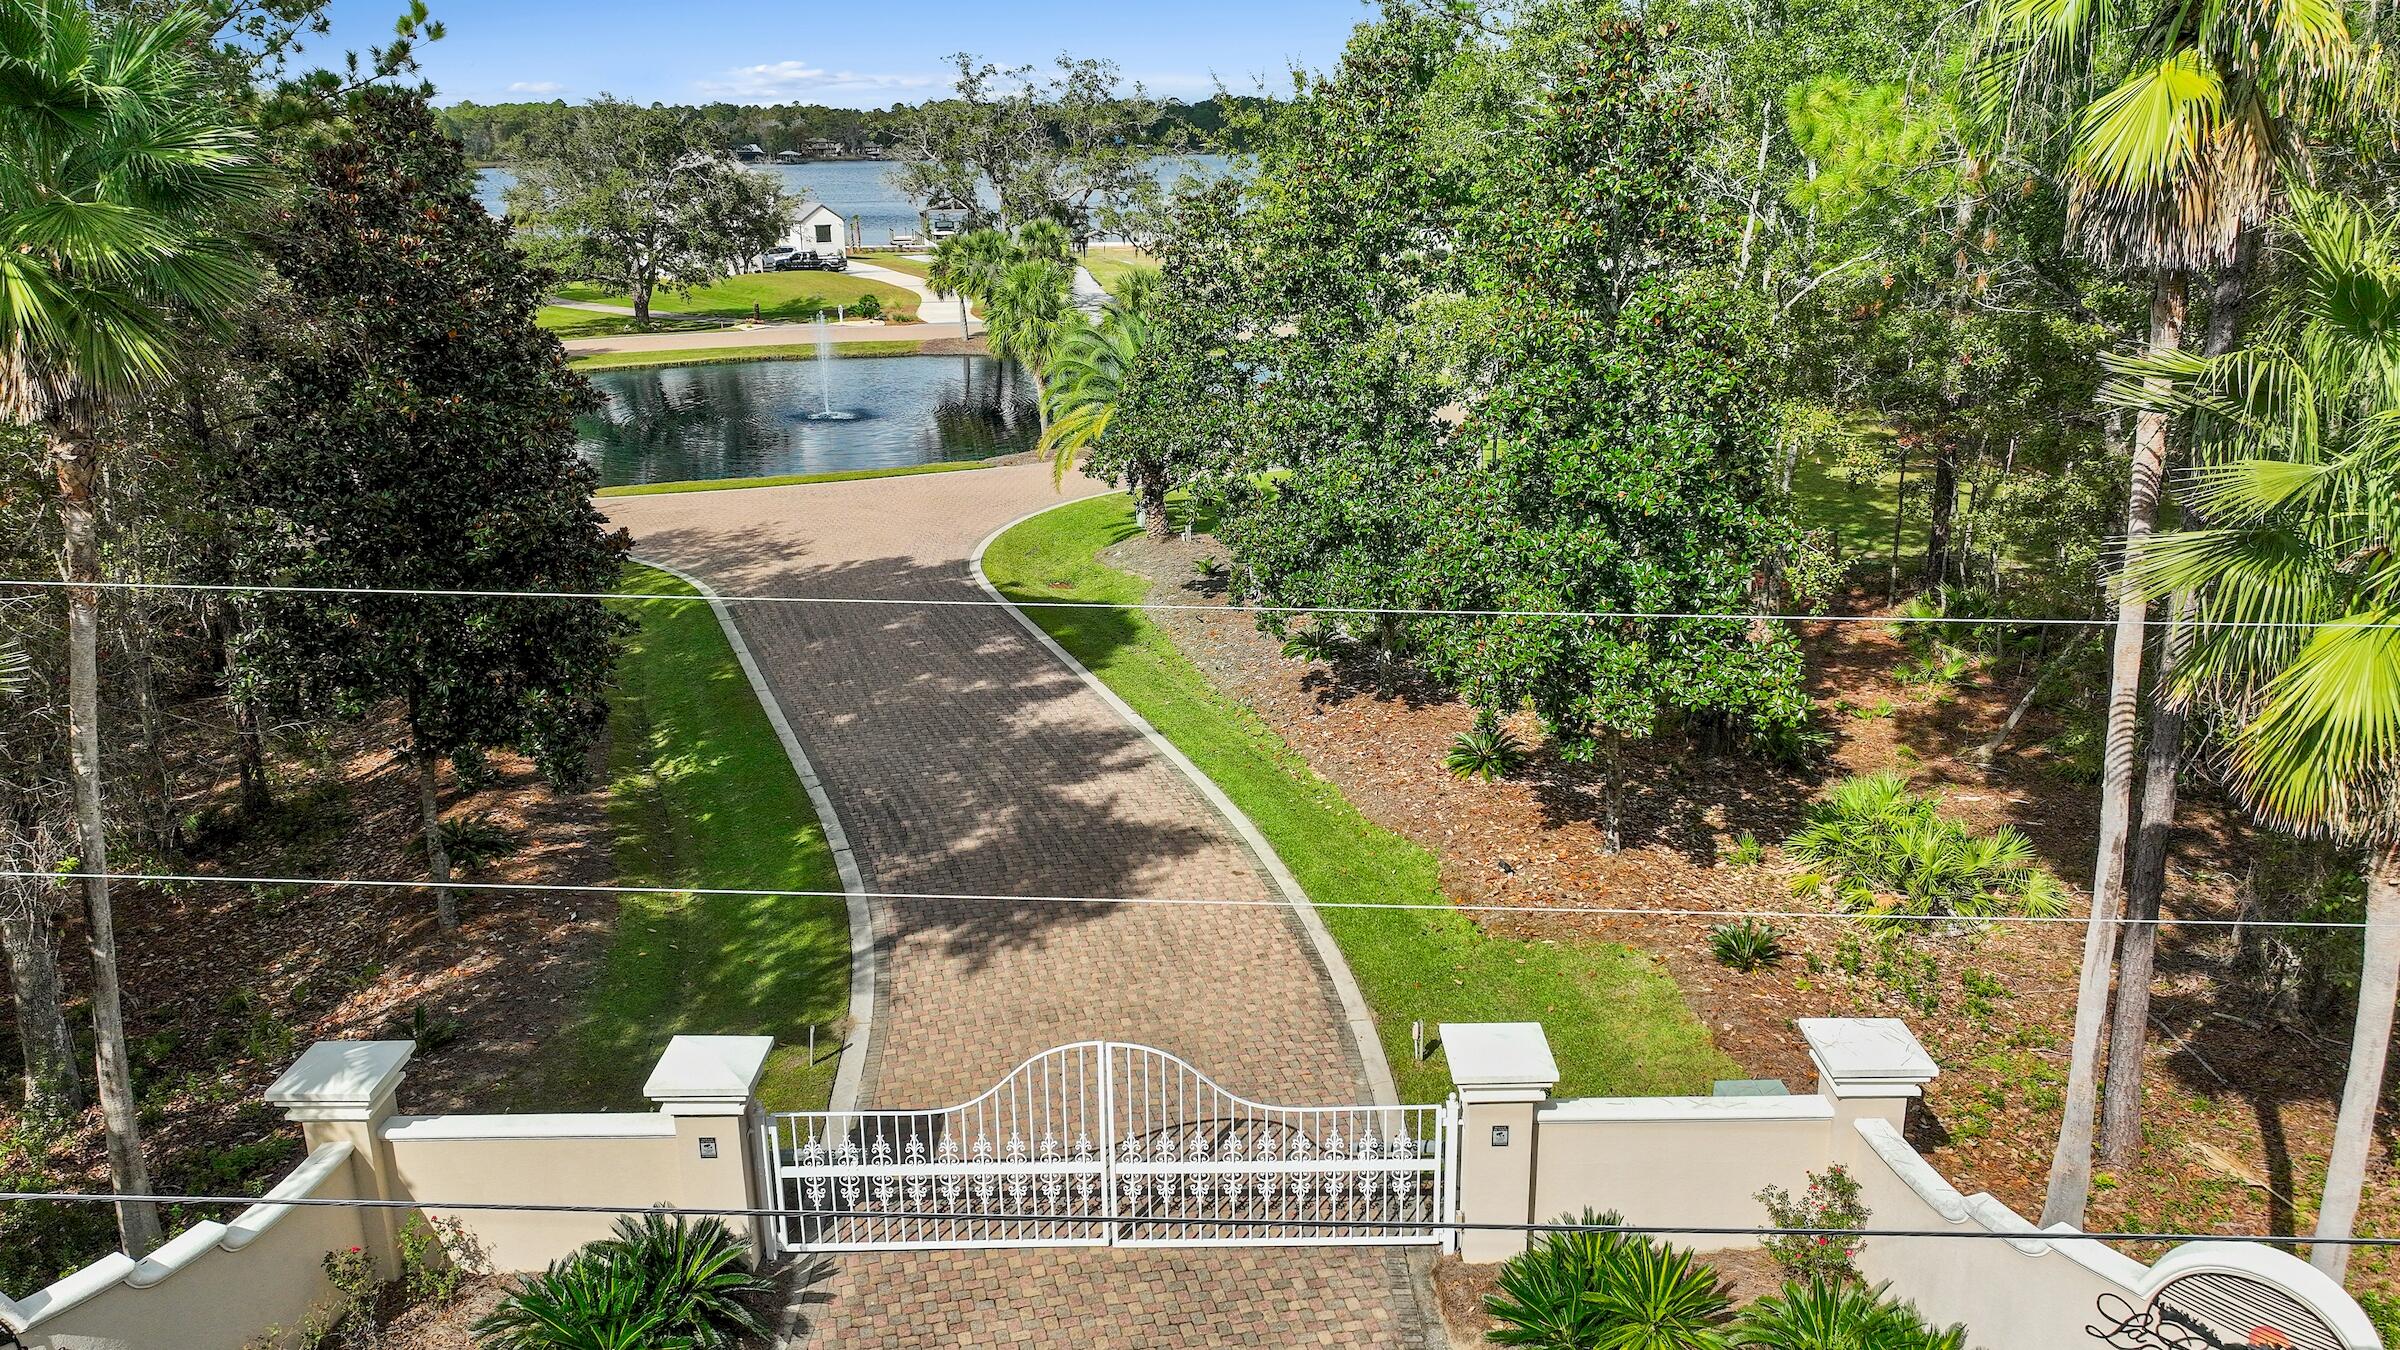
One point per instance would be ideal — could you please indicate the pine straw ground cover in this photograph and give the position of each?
(2239, 1099)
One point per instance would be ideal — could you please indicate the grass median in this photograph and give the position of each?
(1617, 1022)
(701, 794)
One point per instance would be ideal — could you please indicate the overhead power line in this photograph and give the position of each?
(1202, 902)
(1169, 1220)
(968, 602)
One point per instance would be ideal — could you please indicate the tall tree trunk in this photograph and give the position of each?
(1941, 508)
(74, 456)
(150, 755)
(437, 854)
(2145, 887)
(1154, 505)
(1766, 131)
(2071, 1165)
(250, 759)
(641, 302)
(2370, 1044)
(2137, 958)
(53, 1085)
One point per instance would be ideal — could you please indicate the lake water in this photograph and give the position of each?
(860, 188)
(671, 424)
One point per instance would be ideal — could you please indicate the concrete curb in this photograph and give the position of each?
(1363, 1035)
(861, 1032)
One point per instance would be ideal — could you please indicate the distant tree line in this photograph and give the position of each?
(503, 132)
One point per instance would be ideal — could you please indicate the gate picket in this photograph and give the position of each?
(1108, 1143)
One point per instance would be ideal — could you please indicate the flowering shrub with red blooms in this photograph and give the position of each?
(1829, 1207)
(354, 1275)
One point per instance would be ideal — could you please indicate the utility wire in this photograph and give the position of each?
(1209, 1220)
(961, 602)
(1202, 902)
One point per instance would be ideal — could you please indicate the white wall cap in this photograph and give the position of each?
(104, 1274)
(302, 1181)
(1499, 1055)
(1867, 1049)
(1609, 1109)
(709, 1068)
(342, 1076)
(176, 1253)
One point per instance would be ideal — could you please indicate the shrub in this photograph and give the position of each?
(473, 842)
(1321, 643)
(436, 1257)
(430, 1030)
(1746, 945)
(1833, 1316)
(1746, 851)
(1485, 752)
(660, 1283)
(868, 307)
(352, 1274)
(1625, 1291)
(1831, 1202)
(1883, 848)
(1208, 568)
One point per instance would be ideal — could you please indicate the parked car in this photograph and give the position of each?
(808, 260)
(777, 259)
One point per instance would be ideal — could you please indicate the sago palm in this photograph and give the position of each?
(2296, 646)
(1087, 377)
(122, 174)
(2173, 122)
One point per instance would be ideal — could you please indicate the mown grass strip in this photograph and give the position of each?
(787, 480)
(719, 356)
(701, 794)
(1617, 1022)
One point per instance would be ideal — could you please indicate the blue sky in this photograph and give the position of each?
(849, 54)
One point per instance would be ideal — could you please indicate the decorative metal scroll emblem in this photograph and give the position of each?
(2212, 1310)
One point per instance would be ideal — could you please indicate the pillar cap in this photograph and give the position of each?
(711, 1069)
(1499, 1061)
(1868, 1052)
(342, 1080)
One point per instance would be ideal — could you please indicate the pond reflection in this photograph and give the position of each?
(676, 423)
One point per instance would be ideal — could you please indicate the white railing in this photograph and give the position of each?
(1108, 1143)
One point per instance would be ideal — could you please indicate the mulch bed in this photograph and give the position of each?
(226, 984)
(2239, 1110)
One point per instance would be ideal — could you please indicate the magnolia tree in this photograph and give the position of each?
(1467, 343)
(416, 434)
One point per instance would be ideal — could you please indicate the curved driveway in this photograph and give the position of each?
(963, 758)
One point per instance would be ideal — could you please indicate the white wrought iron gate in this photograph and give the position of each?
(1106, 1143)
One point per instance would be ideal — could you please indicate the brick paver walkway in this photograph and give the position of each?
(963, 758)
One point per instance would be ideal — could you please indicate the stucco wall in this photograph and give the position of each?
(628, 1159)
(215, 1286)
(1696, 1160)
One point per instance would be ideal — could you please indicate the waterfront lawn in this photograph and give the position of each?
(777, 296)
(917, 265)
(718, 356)
(583, 323)
(1110, 266)
(1617, 1022)
(701, 794)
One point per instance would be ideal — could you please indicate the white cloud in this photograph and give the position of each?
(786, 81)
(542, 87)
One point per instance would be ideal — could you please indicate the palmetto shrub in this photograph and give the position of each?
(1820, 1315)
(1881, 848)
(660, 1284)
(1746, 945)
(1322, 642)
(1608, 1291)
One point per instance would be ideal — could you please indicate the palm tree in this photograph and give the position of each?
(123, 176)
(2298, 443)
(1087, 375)
(1026, 317)
(2175, 124)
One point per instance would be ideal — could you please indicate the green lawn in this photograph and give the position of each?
(1617, 1022)
(1858, 512)
(717, 356)
(583, 323)
(781, 296)
(917, 265)
(1110, 267)
(700, 794)
(787, 480)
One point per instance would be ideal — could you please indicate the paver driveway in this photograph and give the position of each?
(962, 757)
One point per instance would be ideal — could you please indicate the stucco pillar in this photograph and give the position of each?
(1868, 1067)
(709, 1085)
(1504, 1072)
(343, 1092)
